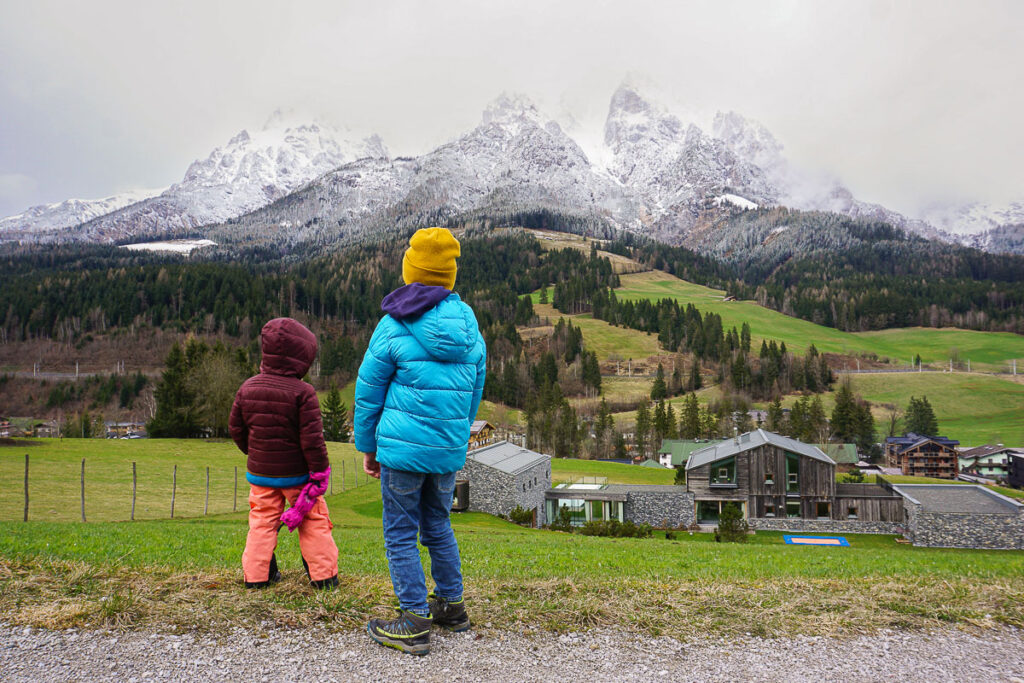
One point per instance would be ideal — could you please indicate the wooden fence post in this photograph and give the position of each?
(26, 487)
(234, 502)
(83, 489)
(206, 505)
(134, 483)
(174, 488)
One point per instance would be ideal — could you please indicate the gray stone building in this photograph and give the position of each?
(961, 516)
(502, 476)
(663, 507)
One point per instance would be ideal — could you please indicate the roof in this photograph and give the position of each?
(619, 492)
(507, 457)
(963, 498)
(652, 463)
(913, 440)
(842, 453)
(478, 426)
(680, 449)
(986, 451)
(749, 440)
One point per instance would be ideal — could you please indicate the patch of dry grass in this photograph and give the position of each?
(70, 594)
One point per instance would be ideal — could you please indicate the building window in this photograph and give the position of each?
(524, 487)
(792, 473)
(851, 512)
(769, 509)
(723, 472)
(769, 478)
(793, 508)
(823, 510)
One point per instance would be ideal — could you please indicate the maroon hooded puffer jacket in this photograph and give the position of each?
(275, 419)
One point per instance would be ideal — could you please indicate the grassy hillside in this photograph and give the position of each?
(185, 574)
(972, 408)
(986, 350)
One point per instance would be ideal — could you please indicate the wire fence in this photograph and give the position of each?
(42, 490)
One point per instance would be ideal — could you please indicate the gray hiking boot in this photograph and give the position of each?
(408, 632)
(449, 614)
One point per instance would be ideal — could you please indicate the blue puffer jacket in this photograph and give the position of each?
(421, 381)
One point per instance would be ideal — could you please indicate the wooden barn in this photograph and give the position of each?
(773, 476)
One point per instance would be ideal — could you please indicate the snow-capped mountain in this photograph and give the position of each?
(673, 167)
(47, 218)
(516, 158)
(250, 171)
(651, 171)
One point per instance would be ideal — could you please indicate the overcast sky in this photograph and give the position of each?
(907, 102)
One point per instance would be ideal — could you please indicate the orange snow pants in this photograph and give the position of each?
(315, 541)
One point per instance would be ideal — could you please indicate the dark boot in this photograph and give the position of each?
(322, 583)
(407, 632)
(273, 576)
(450, 615)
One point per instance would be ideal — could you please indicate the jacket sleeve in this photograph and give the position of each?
(478, 386)
(236, 425)
(311, 431)
(375, 373)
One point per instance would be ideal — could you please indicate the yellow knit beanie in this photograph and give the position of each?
(430, 258)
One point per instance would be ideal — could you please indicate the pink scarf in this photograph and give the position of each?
(314, 488)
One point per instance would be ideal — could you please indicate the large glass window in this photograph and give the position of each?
(596, 510)
(793, 508)
(792, 473)
(723, 472)
(707, 511)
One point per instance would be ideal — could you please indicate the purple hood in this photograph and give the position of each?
(412, 300)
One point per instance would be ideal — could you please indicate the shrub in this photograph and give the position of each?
(670, 535)
(732, 528)
(521, 516)
(563, 522)
(616, 529)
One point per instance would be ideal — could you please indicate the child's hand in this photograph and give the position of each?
(370, 465)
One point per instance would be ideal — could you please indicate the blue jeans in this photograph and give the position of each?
(418, 502)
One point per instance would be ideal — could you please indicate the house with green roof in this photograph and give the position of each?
(675, 452)
(841, 453)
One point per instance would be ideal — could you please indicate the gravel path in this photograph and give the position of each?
(312, 655)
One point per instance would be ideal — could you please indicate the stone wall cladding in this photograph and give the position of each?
(533, 497)
(660, 509)
(965, 530)
(496, 492)
(490, 489)
(824, 526)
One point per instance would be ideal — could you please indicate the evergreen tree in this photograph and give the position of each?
(695, 379)
(335, 417)
(175, 412)
(920, 418)
(745, 338)
(620, 446)
(775, 416)
(689, 423)
(659, 391)
(643, 429)
(845, 413)
(672, 429)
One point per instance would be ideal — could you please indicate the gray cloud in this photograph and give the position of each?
(908, 102)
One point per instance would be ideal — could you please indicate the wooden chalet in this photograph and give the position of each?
(917, 455)
(481, 433)
(772, 476)
(5, 428)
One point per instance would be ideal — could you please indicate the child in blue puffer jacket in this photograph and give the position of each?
(417, 393)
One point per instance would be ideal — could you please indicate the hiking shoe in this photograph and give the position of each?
(408, 632)
(324, 584)
(273, 576)
(451, 615)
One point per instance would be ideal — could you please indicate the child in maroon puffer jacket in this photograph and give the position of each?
(276, 421)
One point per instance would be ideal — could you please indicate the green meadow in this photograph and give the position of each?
(985, 350)
(184, 573)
